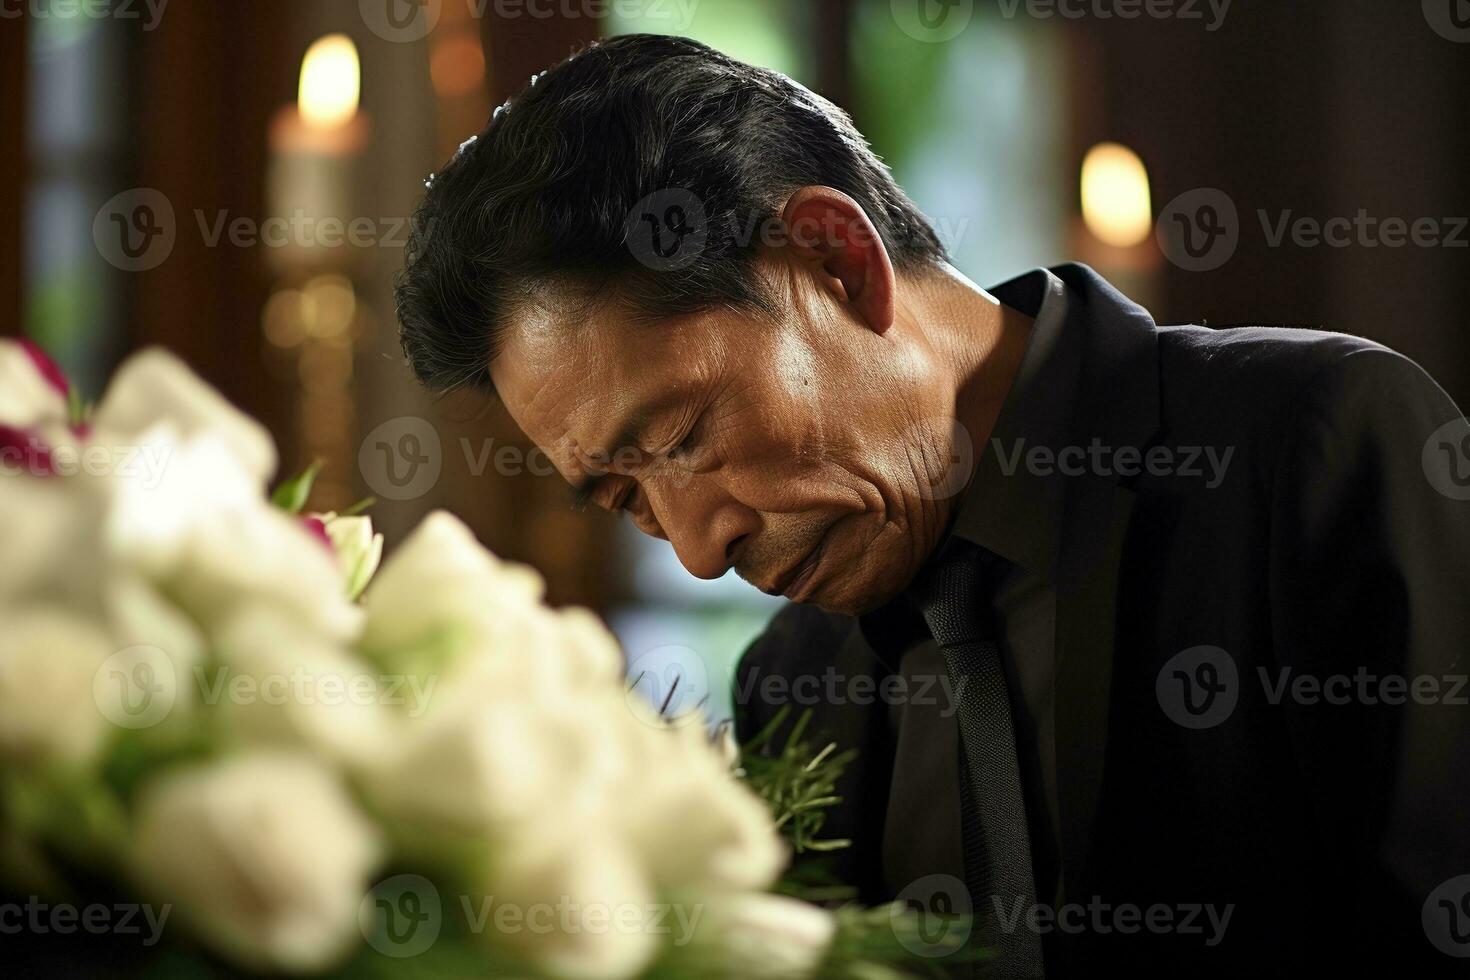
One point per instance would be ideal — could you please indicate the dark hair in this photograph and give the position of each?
(544, 195)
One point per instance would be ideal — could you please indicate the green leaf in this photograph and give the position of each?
(77, 410)
(798, 783)
(359, 507)
(292, 495)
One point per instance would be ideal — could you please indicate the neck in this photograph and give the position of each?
(978, 341)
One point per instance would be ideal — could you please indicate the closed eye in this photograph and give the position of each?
(687, 446)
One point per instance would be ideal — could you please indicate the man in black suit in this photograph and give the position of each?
(1151, 638)
(1239, 653)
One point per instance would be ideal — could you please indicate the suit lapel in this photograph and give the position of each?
(1118, 406)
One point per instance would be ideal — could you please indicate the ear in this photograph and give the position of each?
(831, 234)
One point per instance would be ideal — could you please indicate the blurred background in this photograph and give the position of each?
(233, 181)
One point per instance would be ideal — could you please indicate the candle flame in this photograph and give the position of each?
(331, 81)
(1115, 197)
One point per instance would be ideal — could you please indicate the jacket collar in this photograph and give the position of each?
(1012, 508)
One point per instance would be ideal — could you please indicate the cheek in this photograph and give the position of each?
(782, 457)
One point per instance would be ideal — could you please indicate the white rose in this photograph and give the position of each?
(582, 911)
(49, 658)
(443, 605)
(358, 549)
(205, 532)
(485, 761)
(264, 854)
(277, 682)
(593, 653)
(441, 579)
(154, 386)
(768, 936)
(28, 398)
(49, 528)
(138, 615)
(726, 745)
(695, 823)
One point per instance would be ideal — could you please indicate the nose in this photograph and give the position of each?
(707, 527)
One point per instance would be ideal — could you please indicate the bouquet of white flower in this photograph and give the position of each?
(215, 705)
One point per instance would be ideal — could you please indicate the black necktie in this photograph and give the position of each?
(954, 595)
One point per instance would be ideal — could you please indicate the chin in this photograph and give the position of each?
(859, 591)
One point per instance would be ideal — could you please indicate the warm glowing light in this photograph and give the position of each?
(457, 65)
(331, 81)
(1115, 198)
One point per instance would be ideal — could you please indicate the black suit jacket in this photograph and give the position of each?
(1336, 548)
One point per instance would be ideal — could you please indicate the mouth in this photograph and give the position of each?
(794, 582)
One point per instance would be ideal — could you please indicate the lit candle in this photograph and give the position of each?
(1115, 234)
(313, 147)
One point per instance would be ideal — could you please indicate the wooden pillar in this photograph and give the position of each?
(831, 34)
(207, 83)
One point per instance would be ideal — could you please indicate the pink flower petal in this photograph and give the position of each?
(49, 369)
(319, 528)
(22, 452)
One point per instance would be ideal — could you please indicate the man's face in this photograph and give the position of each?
(793, 451)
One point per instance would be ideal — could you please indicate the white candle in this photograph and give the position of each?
(314, 145)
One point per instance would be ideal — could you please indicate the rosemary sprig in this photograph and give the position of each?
(799, 783)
